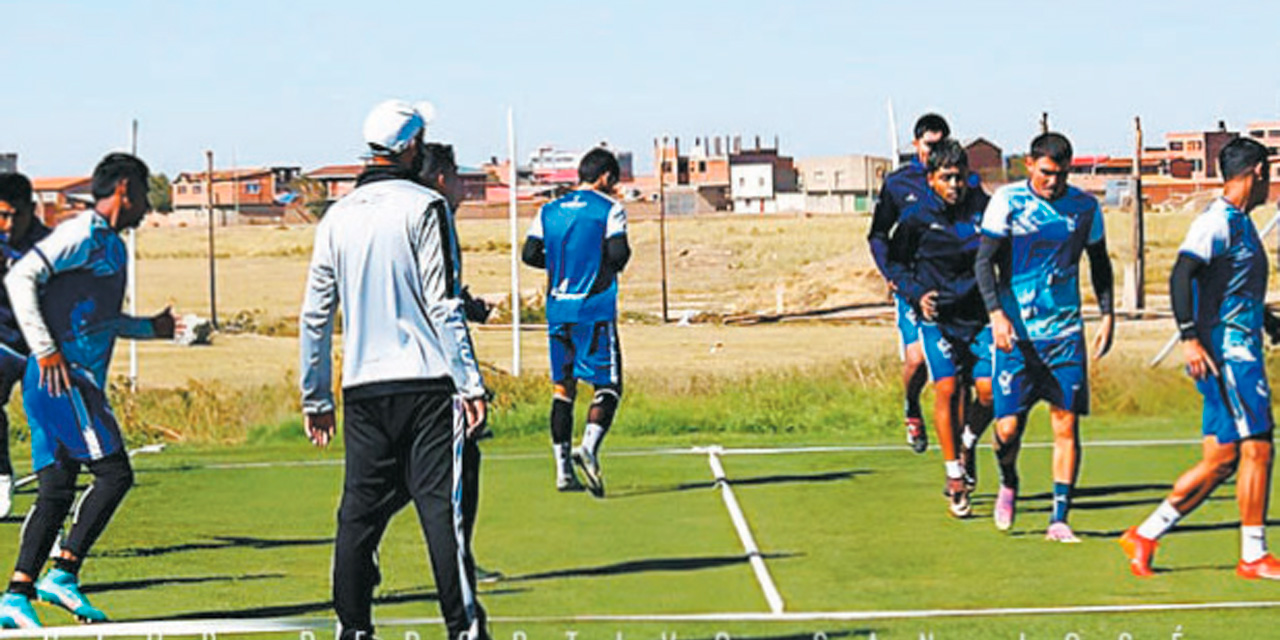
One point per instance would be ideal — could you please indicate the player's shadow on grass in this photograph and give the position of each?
(645, 566)
(788, 478)
(133, 585)
(1183, 529)
(1083, 497)
(304, 608)
(216, 543)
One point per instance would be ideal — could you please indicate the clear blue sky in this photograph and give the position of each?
(290, 82)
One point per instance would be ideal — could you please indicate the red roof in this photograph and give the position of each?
(336, 171)
(58, 184)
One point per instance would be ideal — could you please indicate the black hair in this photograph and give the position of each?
(437, 160)
(596, 163)
(947, 153)
(1240, 156)
(1053, 146)
(931, 122)
(114, 168)
(15, 189)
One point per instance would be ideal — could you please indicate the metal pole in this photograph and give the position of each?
(1044, 122)
(515, 244)
(893, 136)
(132, 273)
(1139, 224)
(213, 288)
(662, 220)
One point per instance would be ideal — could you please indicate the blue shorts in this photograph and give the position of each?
(586, 351)
(946, 356)
(1051, 370)
(1237, 402)
(77, 424)
(908, 324)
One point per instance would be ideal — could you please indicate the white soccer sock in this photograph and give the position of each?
(1253, 543)
(561, 450)
(1160, 521)
(954, 469)
(591, 438)
(968, 439)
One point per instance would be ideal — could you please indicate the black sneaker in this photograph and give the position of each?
(916, 435)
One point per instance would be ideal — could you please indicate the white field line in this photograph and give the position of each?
(730, 451)
(744, 533)
(205, 628)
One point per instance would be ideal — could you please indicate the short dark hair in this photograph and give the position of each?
(931, 122)
(1240, 156)
(598, 162)
(1053, 146)
(437, 160)
(114, 168)
(947, 153)
(15, 189)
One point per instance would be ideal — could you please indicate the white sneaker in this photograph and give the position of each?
(6, 496)
(590, 466)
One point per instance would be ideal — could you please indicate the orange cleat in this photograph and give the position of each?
(1264, 568)
(1140, 550)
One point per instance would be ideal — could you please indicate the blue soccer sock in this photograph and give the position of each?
(1061, 501)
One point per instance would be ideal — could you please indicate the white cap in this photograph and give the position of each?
(393, 124)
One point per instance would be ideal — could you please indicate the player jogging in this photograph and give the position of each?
(66, 294)
(931, 265)
(1218, 286)
(581, 241)
(901, 189)
(1028, 266)
(19, 229)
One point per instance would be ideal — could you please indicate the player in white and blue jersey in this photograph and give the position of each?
(1218, 290)
(1035, 232)
(931, 263)
(901, 189)
(581, 241)
(19, 230)
(66, 293)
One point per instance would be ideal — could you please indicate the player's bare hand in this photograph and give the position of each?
(1199, 364)
(54, 373)
(1103, 339)
(929, 306)
(165, 324)
(477, 411)
(320, 428)
(1001, 331)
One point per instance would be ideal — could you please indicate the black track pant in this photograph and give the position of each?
(400, 448)
(112, 478)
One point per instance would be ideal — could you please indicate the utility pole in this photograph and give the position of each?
(213, 288)
(132, 272)
(1044, 122)
(662, 217)
(1139, 227)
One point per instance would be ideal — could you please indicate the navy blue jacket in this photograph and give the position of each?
(934, 248)
(901, 189)
(10, 334)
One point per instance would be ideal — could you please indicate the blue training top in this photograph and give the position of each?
(1041, 295)
(1232, 286)
(573, 229)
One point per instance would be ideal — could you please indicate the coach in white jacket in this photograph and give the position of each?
(386, 255)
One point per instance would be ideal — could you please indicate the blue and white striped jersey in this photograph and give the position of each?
(1232, 286)
(581, 287)
(1041, 295)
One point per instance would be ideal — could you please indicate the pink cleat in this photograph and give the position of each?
(1005, 500)
(1061, 532)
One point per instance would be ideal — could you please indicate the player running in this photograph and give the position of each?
(66, 294)
(1028, 268)
(19, 229)
(1218, 286)
(931, 265)
(581, 241)
(901, 189)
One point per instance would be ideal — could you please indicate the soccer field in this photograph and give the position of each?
(854, 541)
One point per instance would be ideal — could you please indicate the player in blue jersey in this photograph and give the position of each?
(1035, 232)
(581, 241)
(1218, 287)
(19, 229)
(901, 189)
(931, 266)
(66, 294)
